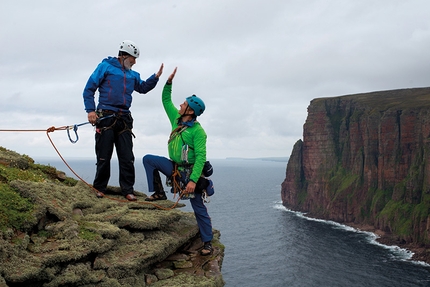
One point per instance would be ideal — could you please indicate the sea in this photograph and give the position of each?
(269, 245)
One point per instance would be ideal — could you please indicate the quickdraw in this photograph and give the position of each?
(75, 128)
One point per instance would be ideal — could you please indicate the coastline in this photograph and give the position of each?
(419, 252)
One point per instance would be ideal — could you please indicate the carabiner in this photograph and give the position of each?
(75, 128)
(205, 197)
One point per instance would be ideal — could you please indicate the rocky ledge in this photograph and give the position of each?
(54, 231)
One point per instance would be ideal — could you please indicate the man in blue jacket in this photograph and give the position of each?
(115, 81)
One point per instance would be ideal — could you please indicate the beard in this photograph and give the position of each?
(127, 64)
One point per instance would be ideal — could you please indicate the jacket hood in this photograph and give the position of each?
(113, 61)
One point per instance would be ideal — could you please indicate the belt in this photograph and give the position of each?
(120, 113)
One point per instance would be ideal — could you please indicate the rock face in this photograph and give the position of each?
(365, 159)
(54, 231)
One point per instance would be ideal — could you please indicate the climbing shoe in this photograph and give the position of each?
(207, 249)
(157, 196)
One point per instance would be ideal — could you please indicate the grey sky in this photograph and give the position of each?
(256, 64)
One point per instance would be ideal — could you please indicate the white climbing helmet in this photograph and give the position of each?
(130, 48)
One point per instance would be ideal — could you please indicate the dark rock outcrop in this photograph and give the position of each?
(365, 159)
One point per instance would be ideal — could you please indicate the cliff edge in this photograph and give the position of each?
(54, 231)
(365, 161)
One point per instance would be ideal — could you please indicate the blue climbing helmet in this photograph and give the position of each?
(196, 104)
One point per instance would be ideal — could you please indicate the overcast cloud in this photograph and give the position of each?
(256, 64)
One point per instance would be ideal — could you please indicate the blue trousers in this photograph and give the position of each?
(164, 165)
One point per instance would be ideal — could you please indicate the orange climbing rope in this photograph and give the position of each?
(52, 129)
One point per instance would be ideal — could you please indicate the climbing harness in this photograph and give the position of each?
(117, 117)
(178, 186)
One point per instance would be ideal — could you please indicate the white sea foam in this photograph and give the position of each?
(397, 252)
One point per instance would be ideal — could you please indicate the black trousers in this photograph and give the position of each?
(115, 132)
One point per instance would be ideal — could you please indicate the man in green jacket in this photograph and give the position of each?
(187, 153)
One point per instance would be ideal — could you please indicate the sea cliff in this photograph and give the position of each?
(365, 161)
(54, 231)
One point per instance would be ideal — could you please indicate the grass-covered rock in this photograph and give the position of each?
(54, 231)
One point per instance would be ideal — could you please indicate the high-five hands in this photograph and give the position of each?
(170, 79)
(160, 71)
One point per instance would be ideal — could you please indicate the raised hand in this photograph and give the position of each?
(160, 71)
(170, 79)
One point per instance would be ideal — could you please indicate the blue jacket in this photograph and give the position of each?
(115, 85)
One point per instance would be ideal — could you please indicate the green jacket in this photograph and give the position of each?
(194, 137)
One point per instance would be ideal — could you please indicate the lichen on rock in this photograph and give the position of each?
(66, 236)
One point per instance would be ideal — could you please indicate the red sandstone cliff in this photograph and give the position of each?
(365, 159)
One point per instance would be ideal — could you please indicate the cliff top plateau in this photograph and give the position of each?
(384, 100)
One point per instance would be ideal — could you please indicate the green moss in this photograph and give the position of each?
(421, 211)
(380, 199)
(51, 173)
(13, 173)
(44, 233)
(14, 209)
(88, 235)
(398, 216)
(347, 181)
(14, 166)
(341, 181)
